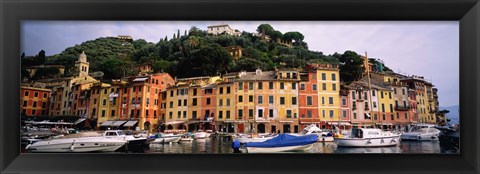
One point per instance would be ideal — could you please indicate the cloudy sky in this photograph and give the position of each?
(429, 49)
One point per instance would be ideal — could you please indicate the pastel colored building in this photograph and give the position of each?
(328, 80)
(34, 101)
(308, 99)
(287, 100)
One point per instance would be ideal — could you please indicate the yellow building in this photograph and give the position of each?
(177, 107)
(99, 105)
(431, 104)
(386, 103)
(328, 81)
(245, 105)
(286, 98)
(225, 116)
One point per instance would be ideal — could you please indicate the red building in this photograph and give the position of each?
(308, 100)
(34, 101)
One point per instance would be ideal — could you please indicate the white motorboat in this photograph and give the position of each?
(312, 129)
(201, 135)
(421, 132)
(84, 144)
(166, 138)
(133, 143)
(368, 137)
(251, 138)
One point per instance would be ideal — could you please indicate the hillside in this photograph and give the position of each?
(196, 53)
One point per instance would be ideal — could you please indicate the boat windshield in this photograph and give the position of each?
(120, 133)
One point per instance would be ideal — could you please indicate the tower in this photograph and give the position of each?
(82, 65)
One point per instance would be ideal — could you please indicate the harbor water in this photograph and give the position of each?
(217, 144)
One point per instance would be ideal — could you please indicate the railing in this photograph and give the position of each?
(402, 108)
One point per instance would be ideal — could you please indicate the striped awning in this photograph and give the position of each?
(130, 123)
(118, 123)
(107, 123)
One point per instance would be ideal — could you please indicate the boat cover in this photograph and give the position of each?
(283, 140)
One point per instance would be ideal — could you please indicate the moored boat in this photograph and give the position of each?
(201, 135)
(280, 143)
(186, 138)
(84, 144)
(252, 138)
(166, 138)
(313, 129)
(421, 132)
(368, 137)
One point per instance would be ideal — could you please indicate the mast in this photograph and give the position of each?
(369, 89)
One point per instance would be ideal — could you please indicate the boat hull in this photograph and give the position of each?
(76, 145)
(166, 140)
(278, 149)
(419, 137)
(368, 142)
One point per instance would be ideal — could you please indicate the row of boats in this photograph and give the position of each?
(357, 137)
(109, 141)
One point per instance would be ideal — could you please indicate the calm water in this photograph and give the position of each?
(217, 144)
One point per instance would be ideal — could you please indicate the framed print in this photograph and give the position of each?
(239, 86)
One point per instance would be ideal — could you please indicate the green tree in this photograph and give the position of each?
(265, 28)
(352, 68)
(41, 57)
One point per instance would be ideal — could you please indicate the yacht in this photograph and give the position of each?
(421, 132)
(84, 144)
(368, 137)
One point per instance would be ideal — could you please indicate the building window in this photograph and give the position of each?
(179, 103)
(331, 114)
(330, 100)
(194, 92)
(260, 113)
(250, 98)
(294, 86)
(228, 115)
(344, 102)
(302, 86)
(270, 113)
(314, 87)
(289, 113)
(25, 103)
(35, 94)
(334, 86)
(374, 104)
(184, 114)
(34, 104)
(250, 85)
(185, 102)
(34, 112)
(383, 107)
(220, 102)
(171, 104)
(383, 116)
(381, 94)
(194, 102)
(270, 99)
(324, 86)
(112, 114)
(391, 108)
(44, 95)
(208, 101)
(282, 85)
(344, 113)
(221, 90)
(294, 100)
(324, 76)
(334, 77)
(282, 100)
(220, 114)
(398, 115)
(309, 113)
(394, 90)
(240, 114)
(103, 113)
(228, 102)
(391, 117)
(390, 95)
(406, 115)
(250, 113)
(228, 90)
(26, 93)
(270, 85)
(323, 100)
(309, 100)
(104, 102)
(179, 114)
(354, 115)
(260, 85)
(260, 99)
(240, 98)
(323, 113)
(240, 85)
(170, 115)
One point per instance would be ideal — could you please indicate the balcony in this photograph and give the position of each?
(402, 108)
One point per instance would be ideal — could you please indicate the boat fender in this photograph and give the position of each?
(72, 147)
(26, 148)
(236, 145)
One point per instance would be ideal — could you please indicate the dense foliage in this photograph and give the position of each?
(196, 53)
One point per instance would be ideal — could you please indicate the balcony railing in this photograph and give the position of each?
(402, 108)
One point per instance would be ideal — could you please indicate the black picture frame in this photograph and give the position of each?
(466, 11)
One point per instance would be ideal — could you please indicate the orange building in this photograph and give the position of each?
(308, 99)
(34, 101)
